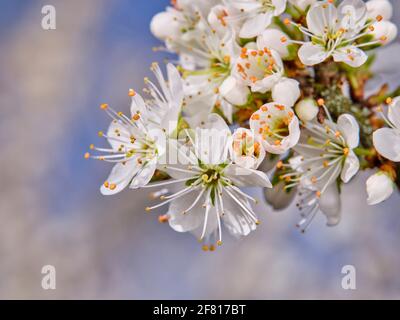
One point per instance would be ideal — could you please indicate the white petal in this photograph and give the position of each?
(234, 219)
(227, 110)
(330, 205)
(234, 92)
(247, 177)
(350, 129)
(256, 25)
(191, 220)
(379, 187)
(286, 91)
(352, 14)
(294, 133)
(212, 225)
(266, 83)
(197, 112)
(179, 158)
(350, 167)
(394, 112)
(321, 15)
(144, 175)
(271, 38)
(302, 4)
(175, 84)
(352, 56)
(311, 54)
(387, 143)
(111, 133)
(212, 141)
(280, 6)
(138, 106)
(120, 176)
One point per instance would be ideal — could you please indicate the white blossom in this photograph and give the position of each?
(262, 70)
(277, 127)
(210, 194)
(334, 31)
(137, 142)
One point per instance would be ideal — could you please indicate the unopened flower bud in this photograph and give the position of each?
(306, 109)
(385, 31)
(379, 187)
(381, 8)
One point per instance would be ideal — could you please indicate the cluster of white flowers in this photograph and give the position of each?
(241, 107)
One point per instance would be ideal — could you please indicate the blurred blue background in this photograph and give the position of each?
(51, 211)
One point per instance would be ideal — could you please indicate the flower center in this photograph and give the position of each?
(220, 69)
(211, 175)
(257, 65)
(266, 5)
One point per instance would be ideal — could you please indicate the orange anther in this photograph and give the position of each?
(131, 93)
(163, 219)
(113, 186)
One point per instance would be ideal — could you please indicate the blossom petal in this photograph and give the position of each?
(387, 143)
(234, 219)
(191, 220)
(350, 129)
(394, 113)
(178, 157)
(352, 56)
(271, 38)
(115, 130)
(256, 25)
(234, 92)
(212, 140)
(350, 167)
(175, 88)
(120, 176)
(320, 16)
(352, 14)
(243, 177)
(311, 54)
(144, 175)
(279, 5)
(138, 106)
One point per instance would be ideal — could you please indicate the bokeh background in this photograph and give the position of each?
(51, 211)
